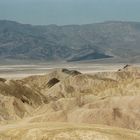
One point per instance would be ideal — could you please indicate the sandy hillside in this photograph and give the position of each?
(66, 104)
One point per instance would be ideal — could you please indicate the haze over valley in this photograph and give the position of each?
(69, 70)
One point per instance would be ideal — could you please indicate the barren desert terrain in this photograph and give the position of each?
(82, 102)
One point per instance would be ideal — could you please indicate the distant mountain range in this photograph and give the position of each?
(108, 40)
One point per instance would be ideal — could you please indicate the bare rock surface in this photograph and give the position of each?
(67, 104)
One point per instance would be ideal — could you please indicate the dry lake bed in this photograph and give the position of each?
(23, 70)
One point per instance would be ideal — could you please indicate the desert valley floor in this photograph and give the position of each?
(70, 102)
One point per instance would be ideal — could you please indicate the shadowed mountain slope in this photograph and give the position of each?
(112, 40)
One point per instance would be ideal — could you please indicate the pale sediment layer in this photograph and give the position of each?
(106, 102)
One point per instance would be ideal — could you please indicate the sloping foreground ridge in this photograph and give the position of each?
(69, 105)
